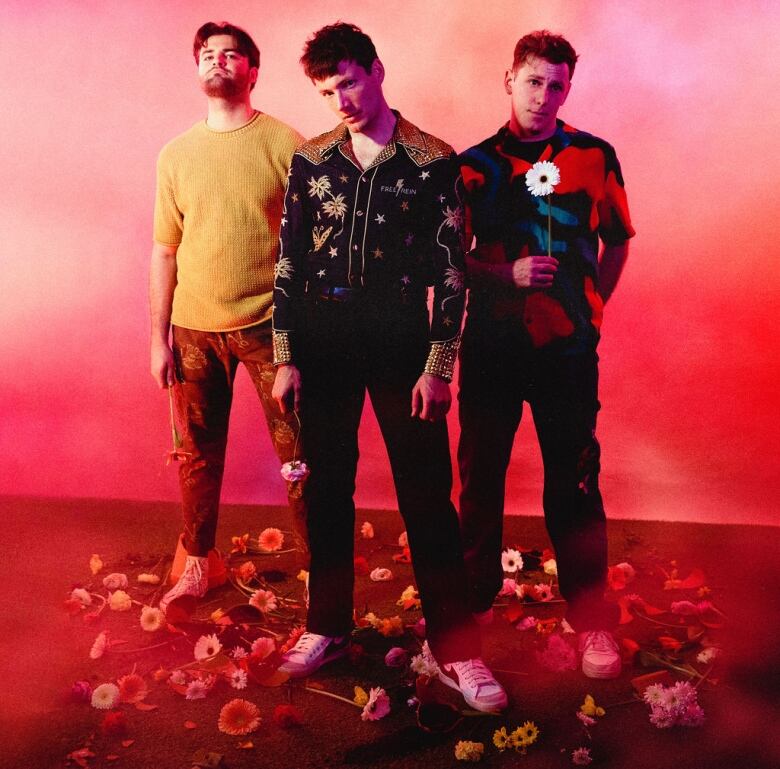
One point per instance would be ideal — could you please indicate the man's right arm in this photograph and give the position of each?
(162, 282)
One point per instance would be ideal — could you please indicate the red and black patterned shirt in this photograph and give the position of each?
(587, 205)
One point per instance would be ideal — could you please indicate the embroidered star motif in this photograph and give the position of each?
(284, 221)
(447, 320)
(378, 253)
(406, 280)
(294, 197)
(408, 239)
(380, 219)
(344, 178)
(441, 198)
(425, 175)
(333, 251)
(404, 205)
(321, 274)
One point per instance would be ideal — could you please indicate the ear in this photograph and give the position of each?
(378, 70)
(509, 77)
(253, 74)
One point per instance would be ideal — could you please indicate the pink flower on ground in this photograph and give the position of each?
(543, 592)
(509, 587)
(263, 600)
(238, 653)
(132, 688)
(263, 647)
(378, 705)
(558, 655)
(197, 690)
(367, 530)
(581, 756)
(270, 540)
(586, 719)
(246, 571)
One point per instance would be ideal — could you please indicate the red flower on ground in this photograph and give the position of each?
(239, 717)
(114, 723)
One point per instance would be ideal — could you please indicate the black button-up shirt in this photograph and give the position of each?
(396, 226)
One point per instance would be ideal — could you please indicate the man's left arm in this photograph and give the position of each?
(431, 396)
(613, 259)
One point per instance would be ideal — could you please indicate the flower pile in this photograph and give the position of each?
(675, 705)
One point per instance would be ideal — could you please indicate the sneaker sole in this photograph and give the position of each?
(483, 706)
(299, 672)
(593, 671)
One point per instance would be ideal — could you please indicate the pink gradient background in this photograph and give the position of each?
(690, 363)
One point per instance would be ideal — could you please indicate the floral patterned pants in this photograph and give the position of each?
(206, 367)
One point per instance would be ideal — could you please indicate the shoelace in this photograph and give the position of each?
(600, 641)
(476, 674)
(307, 643)
(193, 572)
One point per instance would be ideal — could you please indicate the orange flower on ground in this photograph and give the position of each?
(391, 627)
(270, 540)
(95, 563)
(409, 598)
(239, 543)
(132, 688)
(239, 717)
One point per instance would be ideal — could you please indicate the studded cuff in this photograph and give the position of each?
(441, 359)
(282, 352)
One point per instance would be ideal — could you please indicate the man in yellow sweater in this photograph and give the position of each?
(220, 193)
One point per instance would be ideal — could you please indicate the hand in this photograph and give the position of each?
(163, 366)
(534, 271)
(287, 388)
(431, 398)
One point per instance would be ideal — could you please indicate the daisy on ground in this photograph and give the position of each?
(238, 717)
(378, 705)
(207, 646)
(270, 540)
(263, 600)
(511, 560)
(105, 696)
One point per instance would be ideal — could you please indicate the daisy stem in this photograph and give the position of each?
(142, 648)
(549, 227)
(331, 695)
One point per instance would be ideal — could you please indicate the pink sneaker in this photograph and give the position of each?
(476, 683)
(194, 581)
(600, 654)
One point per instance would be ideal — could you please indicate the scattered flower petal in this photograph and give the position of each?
(410, 599)
(391, 627)
(590, 708)
(708, 655)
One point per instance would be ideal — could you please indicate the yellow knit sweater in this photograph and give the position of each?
(219, 199)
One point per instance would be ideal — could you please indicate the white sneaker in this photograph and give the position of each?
(600, 654)
(311, 652)
(194, 580)
(476, 683)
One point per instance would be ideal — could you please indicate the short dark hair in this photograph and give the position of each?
(545, 45)
(244, 43)
(331, 45)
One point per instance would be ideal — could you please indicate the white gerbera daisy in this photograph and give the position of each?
(207, 646)
(542, 177)
(238, 679)
(105, 696)
(511, 560)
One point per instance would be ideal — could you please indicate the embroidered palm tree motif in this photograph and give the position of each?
(453, 278)
(320, 235)
(453, 217)
(283, 269)
(336, 207)
(318, 187)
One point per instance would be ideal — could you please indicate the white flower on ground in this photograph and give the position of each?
(424, 663)
(511, 560)
(196, 690)
(381, 575)
(119, 601)
(238, 679)
(207, 646)
(149, 579)
(151, 619)
(105, 696)
(238, 653)
(367, 530)
(542, 177)
(708, 655)
(178, 677)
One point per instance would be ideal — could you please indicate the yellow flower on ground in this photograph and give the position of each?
(95, 563)
(526, 734)
(501, 739)
(361, 697)
(465, 750)
(590, 708)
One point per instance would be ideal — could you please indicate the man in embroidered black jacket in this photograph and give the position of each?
(373, 216)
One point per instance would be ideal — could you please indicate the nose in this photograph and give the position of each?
(341, 100)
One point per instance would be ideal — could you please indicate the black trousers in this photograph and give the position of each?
(499, 371)
(378, 346)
